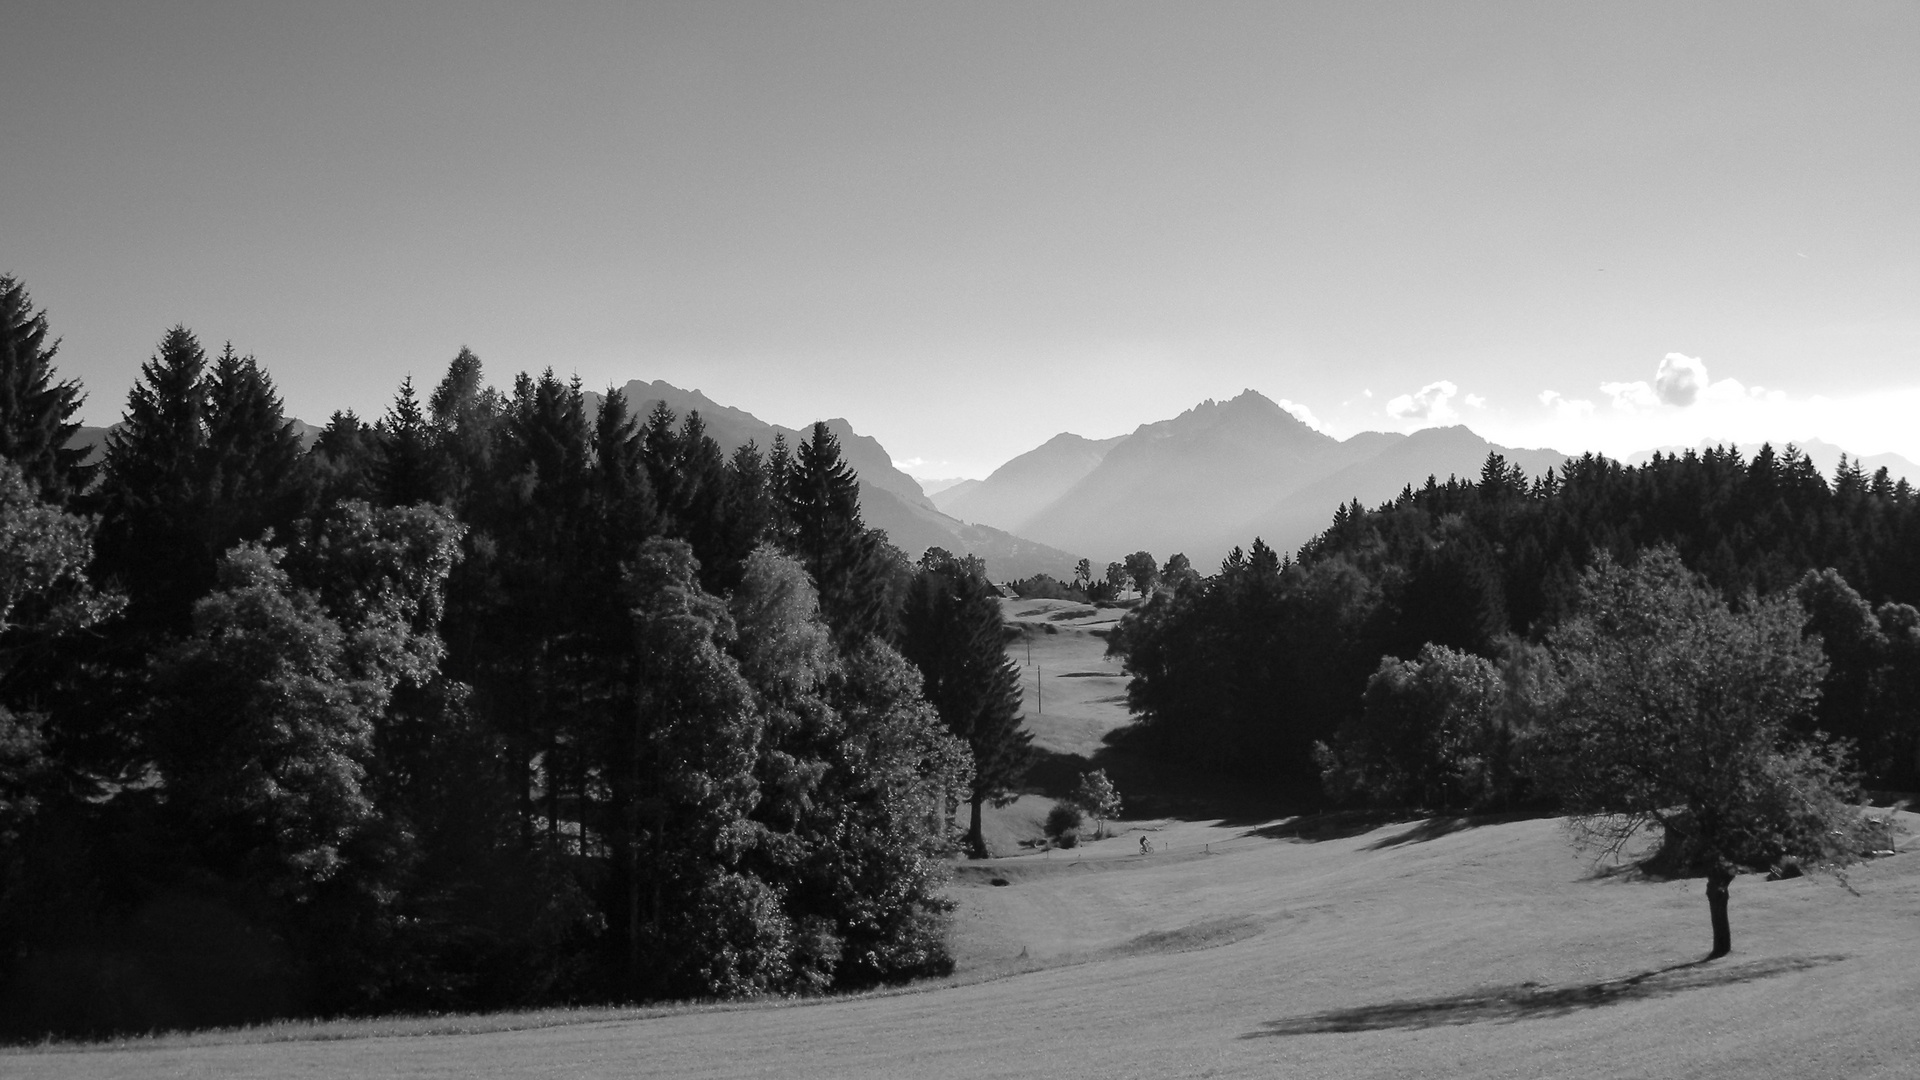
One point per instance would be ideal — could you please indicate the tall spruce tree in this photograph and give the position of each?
(154, 495)
(952, 630)
(253, 455)
(36, 412)
(844, 558)
(408, 471)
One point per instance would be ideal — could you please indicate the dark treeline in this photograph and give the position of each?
(1457, 583)
(508, 697)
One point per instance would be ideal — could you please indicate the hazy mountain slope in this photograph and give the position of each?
(1186, 484)
(889, 498)
(731, 427)
(95, 438)
(1028, 484)
(1400, 460)
(931, 488)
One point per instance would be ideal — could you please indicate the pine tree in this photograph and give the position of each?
(253, 455)
(36, 412)
(408, 471)
(343, 458)
(822, 500)
(154, 537)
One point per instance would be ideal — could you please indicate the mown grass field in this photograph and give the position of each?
(1331, 947)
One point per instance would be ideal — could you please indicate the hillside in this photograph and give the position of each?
(1336, 948)
(1015, 492)
(1341, 946)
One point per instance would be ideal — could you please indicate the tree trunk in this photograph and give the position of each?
(1719, 880)
(976, 839)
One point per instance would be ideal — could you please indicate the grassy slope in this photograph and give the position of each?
(1233, 950)
(1367, 955)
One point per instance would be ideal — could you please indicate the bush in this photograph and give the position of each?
(1097, 797)
(1063, 824)
(1432, 735)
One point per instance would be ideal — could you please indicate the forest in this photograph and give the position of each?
(508, 697)
(1399, 658)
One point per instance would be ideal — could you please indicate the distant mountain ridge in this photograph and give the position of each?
(1027, 484)
(94, 439)
(1213, 478)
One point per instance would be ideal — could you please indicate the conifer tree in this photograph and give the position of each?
(154, 494)
(407, 471)
(253, 455)
(343, 458)
(844, 559)
(36, 413)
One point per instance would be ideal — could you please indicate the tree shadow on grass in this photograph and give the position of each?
(1531, 1001)
(1328, 825)
(1440, 825)
(1345, 824)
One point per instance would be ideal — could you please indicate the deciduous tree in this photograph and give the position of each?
(1675, 711)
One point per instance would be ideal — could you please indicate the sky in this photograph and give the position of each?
(968, 227)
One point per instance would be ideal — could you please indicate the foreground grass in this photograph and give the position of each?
(1232, 951)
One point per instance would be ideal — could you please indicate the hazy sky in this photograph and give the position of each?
(967, 227)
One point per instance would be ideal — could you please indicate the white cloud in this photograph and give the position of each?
(1303, 414)
(1566, 407)
(1475, 401)
(1432, 404)
(1635, 416)
(1631, 396)
(1680, 379)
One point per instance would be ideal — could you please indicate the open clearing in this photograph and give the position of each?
(1330, 947)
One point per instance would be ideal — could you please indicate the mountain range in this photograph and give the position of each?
(1212, 478)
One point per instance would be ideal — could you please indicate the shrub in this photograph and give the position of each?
(1063, 824)
(1097, 796)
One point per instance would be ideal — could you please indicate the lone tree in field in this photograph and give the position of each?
(1097, 796)
(1674, 711)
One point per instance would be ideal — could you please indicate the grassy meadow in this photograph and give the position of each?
(1334, 946)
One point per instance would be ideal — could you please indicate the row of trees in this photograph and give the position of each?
(508, 697)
